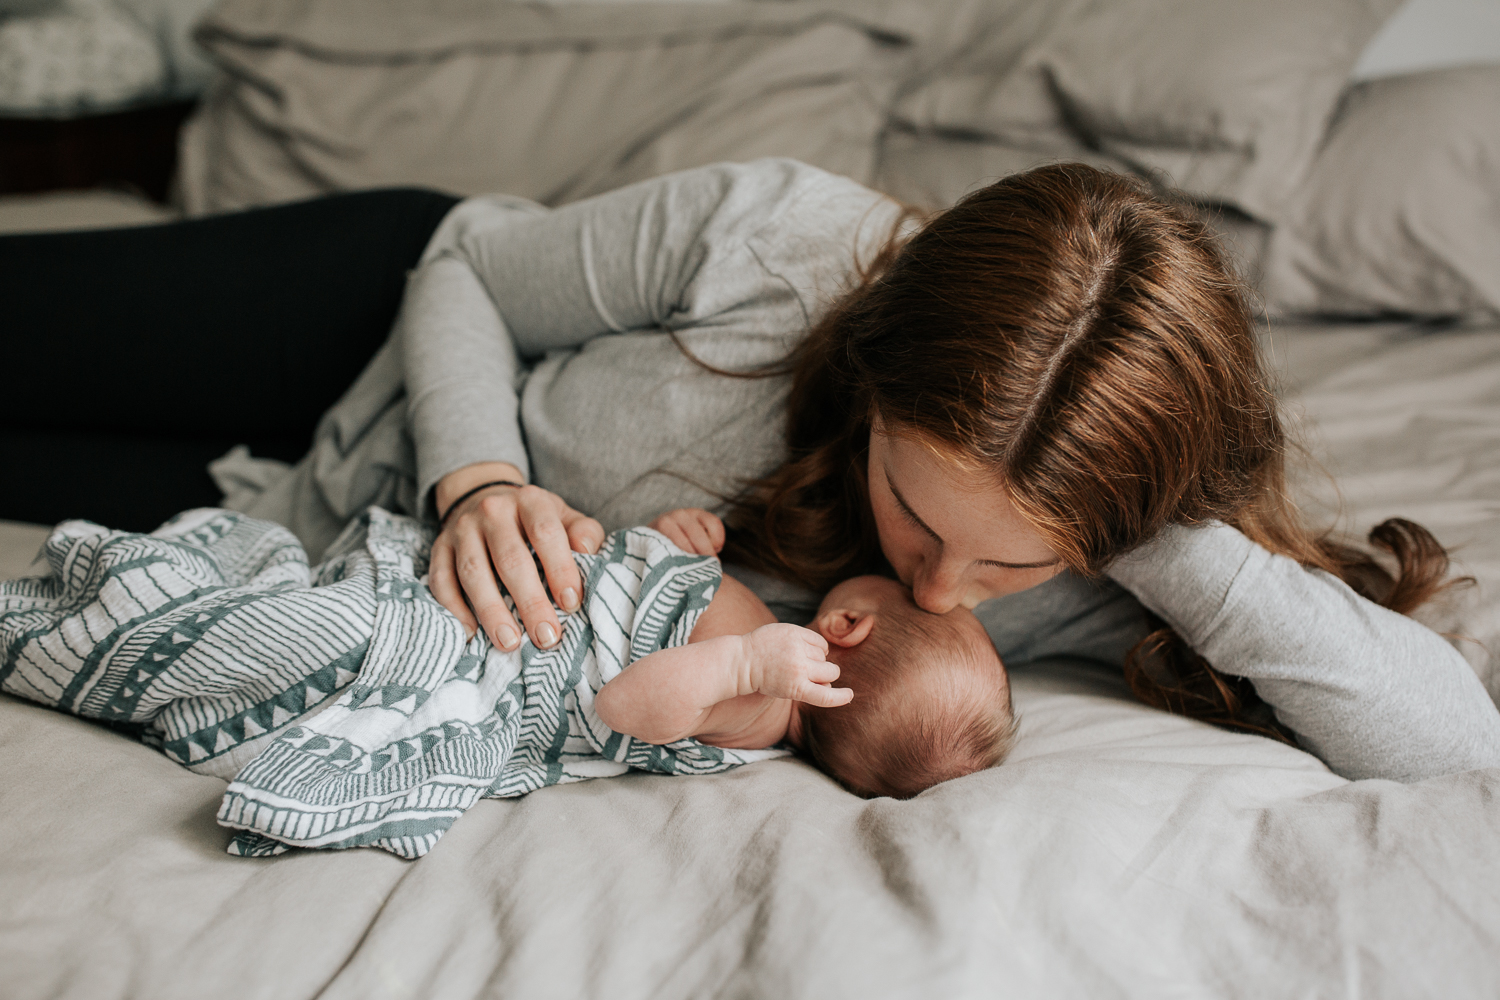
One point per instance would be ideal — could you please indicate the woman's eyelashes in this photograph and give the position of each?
(907, 514)
(915, 521)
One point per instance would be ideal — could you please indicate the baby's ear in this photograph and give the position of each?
(843, 627)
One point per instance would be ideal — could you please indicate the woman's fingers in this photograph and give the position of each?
(474, 559)
(542, 523)
(442, 580)
(513, 561)
(584, 533)
(487, 551)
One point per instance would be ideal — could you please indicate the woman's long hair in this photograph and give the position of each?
(1088, 345)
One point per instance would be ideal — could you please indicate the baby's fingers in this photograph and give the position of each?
(674, 532)
(713, 531)
(698, 541)
(823, 672)
(818, 644)
(825, 697)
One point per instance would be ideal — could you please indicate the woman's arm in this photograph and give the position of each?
(672, 252)
(668, 252)
(1373, 693)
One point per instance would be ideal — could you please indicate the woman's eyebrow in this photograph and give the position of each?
(906, 507)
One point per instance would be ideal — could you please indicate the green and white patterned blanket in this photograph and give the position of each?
(343, 701)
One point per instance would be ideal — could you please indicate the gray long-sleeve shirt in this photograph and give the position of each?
(546, 339)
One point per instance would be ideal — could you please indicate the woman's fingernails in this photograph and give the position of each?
(569, 599)
(546, 635)
(507, 638)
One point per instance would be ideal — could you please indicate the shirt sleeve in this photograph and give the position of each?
(639, 258)
(461, 370)
(1374, 693)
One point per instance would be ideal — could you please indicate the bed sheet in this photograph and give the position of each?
(1121, 852)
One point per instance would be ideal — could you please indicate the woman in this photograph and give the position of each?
(1053, 382)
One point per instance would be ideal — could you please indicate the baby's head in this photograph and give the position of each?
(931, 698)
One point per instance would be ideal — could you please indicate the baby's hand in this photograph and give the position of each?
(788, 661)
(692, 529)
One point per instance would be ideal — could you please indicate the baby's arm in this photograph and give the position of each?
(737, 650)
(671, 694)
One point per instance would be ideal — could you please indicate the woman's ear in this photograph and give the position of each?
(843, 627)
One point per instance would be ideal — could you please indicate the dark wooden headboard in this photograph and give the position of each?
(134, 149)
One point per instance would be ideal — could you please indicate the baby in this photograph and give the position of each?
(347, 708)
(922, 698)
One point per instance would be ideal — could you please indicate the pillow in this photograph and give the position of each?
(1433, 34)
(28, 8)
(69, 62)
(932, 172)
(172, 22)
(1227, 101)
(1401, 210)
(550, 103)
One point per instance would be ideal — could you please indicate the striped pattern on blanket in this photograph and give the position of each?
(344, 702)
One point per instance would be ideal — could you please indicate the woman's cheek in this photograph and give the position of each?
(1000, 582)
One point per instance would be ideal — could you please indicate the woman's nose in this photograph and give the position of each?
(938, 588)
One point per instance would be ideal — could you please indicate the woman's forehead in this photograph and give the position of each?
(917, 465)
(966, 507)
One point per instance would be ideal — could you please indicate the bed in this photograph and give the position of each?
(1121, 851)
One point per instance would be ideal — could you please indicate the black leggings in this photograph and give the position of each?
(135, 356)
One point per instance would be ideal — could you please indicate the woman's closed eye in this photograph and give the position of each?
(910, 517)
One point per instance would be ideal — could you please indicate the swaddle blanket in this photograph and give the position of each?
(343, 700)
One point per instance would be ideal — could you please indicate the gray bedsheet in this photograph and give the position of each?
(1121, 852)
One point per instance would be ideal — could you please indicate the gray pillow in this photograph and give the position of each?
(1401, 210)
(550, 103)
(1225, 100)
(29, 8)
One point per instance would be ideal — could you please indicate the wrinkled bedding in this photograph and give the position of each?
(1120, 852)
(558, 102)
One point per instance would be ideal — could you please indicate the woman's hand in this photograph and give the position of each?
(692, 529)
(488, 535)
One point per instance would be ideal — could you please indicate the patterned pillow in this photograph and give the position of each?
(77, 60)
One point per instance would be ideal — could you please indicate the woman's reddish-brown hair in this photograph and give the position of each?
(1088, 344)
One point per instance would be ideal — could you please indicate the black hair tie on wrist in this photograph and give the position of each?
(443, 520)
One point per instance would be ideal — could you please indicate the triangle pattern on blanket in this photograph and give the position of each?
(268, 716)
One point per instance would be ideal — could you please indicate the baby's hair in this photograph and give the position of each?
(930, 704)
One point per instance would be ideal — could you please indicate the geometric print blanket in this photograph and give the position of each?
(342, 702)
